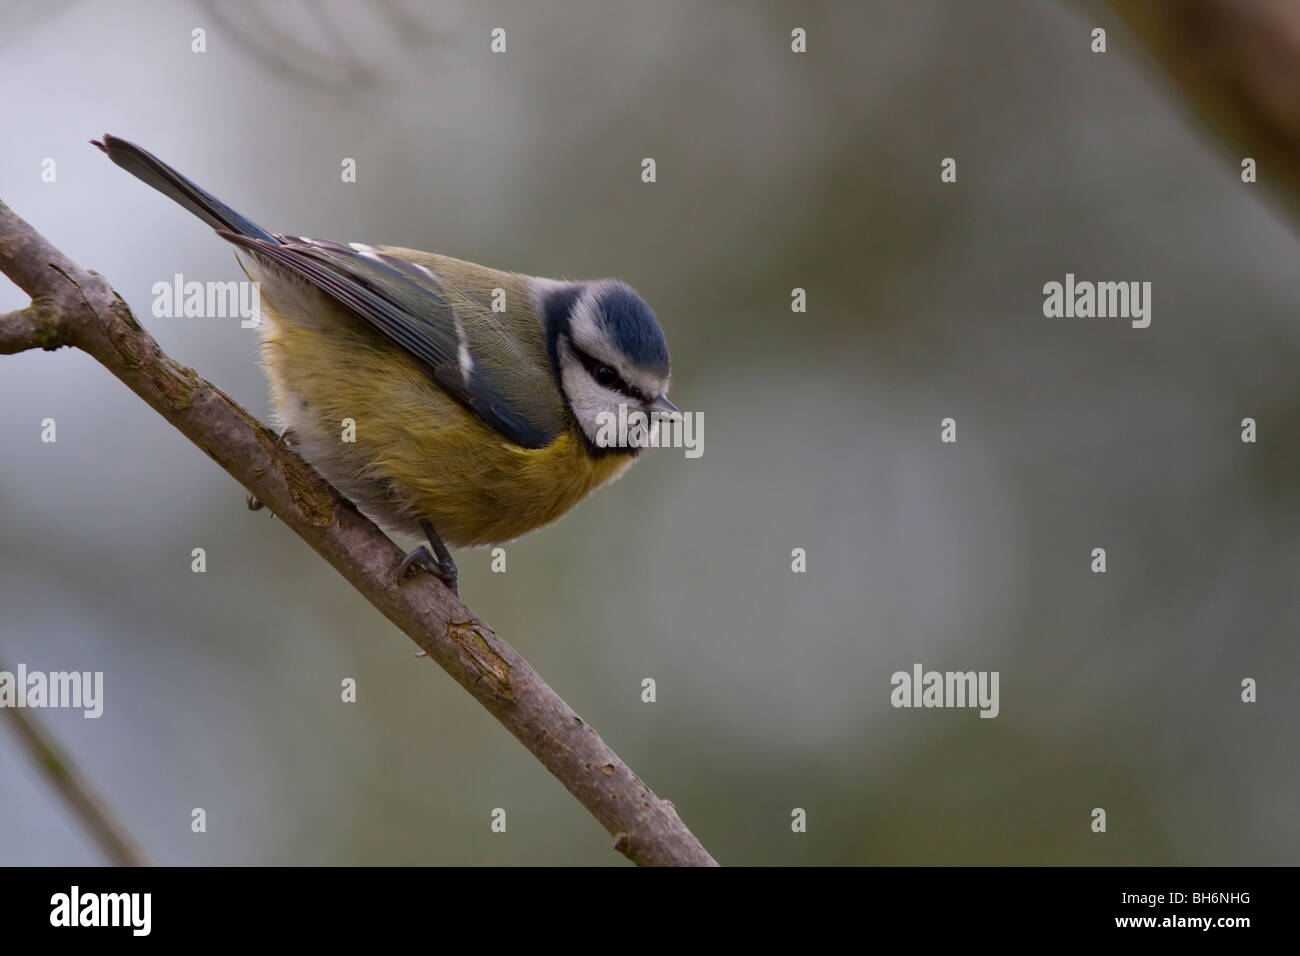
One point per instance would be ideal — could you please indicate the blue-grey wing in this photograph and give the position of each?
(466, 351)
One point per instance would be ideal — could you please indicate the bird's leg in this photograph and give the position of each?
(440, 561)
(254, 504)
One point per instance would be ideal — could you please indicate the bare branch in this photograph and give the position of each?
(22, 330)
(79, 308)
(77, 793)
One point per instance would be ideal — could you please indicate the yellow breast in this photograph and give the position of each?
(375, 425)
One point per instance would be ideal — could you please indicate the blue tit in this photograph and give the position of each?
(473, 425)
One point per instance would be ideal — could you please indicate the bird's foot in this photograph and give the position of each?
(444, 570)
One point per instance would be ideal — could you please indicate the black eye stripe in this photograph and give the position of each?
(619, 385)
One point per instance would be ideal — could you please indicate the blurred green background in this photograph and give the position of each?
(775, 171)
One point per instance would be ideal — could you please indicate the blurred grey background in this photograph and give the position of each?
(775, 171)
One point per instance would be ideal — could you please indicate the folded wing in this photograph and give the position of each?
(463, 346)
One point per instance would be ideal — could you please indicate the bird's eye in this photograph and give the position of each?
(605, 375)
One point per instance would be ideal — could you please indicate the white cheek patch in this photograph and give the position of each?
(590, 402)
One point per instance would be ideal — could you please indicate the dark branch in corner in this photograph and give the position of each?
(1238, 63)
(80, 309)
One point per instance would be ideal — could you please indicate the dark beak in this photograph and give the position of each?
(665, 407)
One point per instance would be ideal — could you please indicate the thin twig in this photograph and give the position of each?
(79, 308)
(104, 828)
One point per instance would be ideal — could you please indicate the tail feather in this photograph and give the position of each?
(151, 170)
